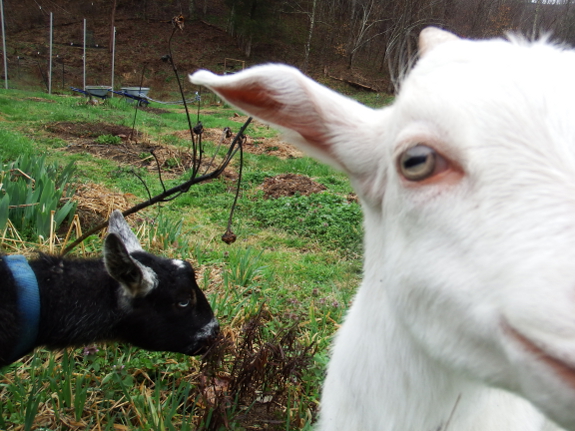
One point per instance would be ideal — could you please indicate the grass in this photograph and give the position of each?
(279, 291)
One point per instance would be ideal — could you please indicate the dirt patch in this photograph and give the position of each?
(170, 159)
(39, 99)
(267, 146)
(84, 129)
(289, 185)
(353, 198)
(81, 137)
(243, 118)
(173, 161)
(272, 147)
(153, 110)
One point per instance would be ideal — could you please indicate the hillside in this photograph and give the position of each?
(142, 39)
(367, 43)
(139, 44)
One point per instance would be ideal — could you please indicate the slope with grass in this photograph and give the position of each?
(279, 290)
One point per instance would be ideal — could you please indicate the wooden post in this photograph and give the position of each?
(113, 58)
(4, 45)
(84, 88)
(50, 57)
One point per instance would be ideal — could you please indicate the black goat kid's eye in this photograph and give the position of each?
(418, 163)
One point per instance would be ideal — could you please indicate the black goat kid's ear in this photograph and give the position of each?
(136, 279)
(118, 225)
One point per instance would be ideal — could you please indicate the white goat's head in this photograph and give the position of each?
(466, 183)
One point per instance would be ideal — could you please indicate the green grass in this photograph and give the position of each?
(293, 270)
(14, 144)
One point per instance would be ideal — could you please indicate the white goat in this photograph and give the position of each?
(465, 319)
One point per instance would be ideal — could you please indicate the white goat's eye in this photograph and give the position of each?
(184, 304)
(418, 163)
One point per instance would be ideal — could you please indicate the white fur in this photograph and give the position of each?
(465, 319)
(118, 225)
(178, 263)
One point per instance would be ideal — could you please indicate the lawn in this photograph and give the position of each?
(279, 291)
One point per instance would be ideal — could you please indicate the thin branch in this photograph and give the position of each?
(133, 134)
(452, 412)
(229, 237)
(134, 173)
(159, 169)
(175, 69)
(217, 150)
(177, 190)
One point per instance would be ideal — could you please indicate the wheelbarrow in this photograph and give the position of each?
(100, 91)
(138, 94)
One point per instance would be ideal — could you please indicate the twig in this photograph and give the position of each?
(194, 149)
(24, 174)
(23, 205)
(177, 190)
(159, 169)
(51, 239)
(452, 412)
(229, 237)
(133, 133)
(216, 152)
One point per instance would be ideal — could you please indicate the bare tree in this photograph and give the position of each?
(312, 17)
(192, 10)
(365, 16)
(310, 11)
(566, 28)
(536, 18)
(401, 35)
(250, 21)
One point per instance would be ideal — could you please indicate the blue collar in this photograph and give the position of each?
(28, 304)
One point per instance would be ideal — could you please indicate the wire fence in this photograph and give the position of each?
(25, 72)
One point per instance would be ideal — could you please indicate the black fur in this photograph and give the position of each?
(81, 304)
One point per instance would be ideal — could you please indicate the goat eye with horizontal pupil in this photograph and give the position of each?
(418, 163)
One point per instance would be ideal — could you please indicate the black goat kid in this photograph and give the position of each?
(128, 296)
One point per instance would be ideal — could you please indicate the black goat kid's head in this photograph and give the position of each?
(164, 309)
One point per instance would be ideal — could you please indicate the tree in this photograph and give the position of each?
(310, 11)
(249, 20)
(364, 19)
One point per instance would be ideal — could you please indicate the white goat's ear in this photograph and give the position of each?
(430, 37)
(329, 126)
(118, 225)
(135, 278)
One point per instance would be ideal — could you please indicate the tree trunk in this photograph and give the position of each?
(248, 46)
(192, 10)
(309, 36)
(566, 20)
(231, 22)
(536, 19)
